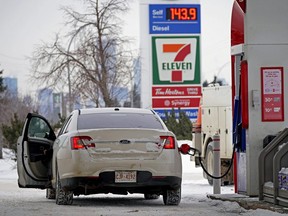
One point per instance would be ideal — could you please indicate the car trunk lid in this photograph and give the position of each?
(141, 144)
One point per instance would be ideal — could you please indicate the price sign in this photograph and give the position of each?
(272, 94)
(174, 19)
(181, 13)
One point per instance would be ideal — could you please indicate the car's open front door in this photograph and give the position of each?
(34, 152)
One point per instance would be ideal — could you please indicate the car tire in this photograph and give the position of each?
(50, 193)
(209, 162)
(62, 197)
(151, 196)
(172, 197)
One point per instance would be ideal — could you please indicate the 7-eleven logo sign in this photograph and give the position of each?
(174, 60)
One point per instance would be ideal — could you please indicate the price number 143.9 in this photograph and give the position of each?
(181, 14)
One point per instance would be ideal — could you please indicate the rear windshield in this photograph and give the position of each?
(118, 120)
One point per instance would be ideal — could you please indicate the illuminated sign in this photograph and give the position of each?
(181, 13)
(175, 102)
(176, 74)
(191, 113)
(176, 91)
(176, 60)
(174, 19)
(172, 48)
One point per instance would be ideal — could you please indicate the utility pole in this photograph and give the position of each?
(1, 145)
(69, 79)
(68, 69)
(2, 89)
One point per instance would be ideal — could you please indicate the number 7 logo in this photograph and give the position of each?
(176, 60)
(182, 51)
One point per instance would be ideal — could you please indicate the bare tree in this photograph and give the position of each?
(92, 59)
(215, 81)
(12, 105)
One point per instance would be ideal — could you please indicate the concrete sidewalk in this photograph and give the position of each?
(249, 202)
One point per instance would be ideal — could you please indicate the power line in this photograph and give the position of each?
(12, 57)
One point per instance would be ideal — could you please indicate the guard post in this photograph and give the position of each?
(216, 164)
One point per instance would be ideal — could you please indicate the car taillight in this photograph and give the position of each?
(80, 142)
(169, 142)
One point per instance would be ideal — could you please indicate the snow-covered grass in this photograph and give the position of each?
(8, 165)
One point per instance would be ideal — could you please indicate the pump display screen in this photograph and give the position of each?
(181, 13)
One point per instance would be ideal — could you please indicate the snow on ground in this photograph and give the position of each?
(8, 165)
(16, 201)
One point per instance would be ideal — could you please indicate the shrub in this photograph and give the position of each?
(181, 127)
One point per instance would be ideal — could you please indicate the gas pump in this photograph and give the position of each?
(239, 138)
(259, 64)
(259, 85)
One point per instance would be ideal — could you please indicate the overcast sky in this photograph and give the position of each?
(25, 23)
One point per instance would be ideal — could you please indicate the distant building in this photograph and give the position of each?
(57, 106)
(45, 102)
(51, 104)
(11, 85)
(77, 103)
(121, 94)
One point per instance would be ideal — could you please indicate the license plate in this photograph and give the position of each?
(125, 176)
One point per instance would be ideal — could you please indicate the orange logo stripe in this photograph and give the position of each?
(172, 47)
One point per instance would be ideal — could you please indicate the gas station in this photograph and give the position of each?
(172, 76)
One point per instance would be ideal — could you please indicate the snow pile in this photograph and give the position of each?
(8, 165)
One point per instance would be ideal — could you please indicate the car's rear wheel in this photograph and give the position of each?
(62, 197)
(172, 197)
(50, 193)
(150, 196)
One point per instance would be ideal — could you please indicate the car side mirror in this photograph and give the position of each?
(184, 149)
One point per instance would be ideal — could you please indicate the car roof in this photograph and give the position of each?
(116, 110)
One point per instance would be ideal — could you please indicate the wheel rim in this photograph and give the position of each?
(210, 162)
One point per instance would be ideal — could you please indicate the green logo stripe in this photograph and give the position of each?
(169, 66)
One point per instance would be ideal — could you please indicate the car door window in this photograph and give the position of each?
(38, 128)
(65, 126)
